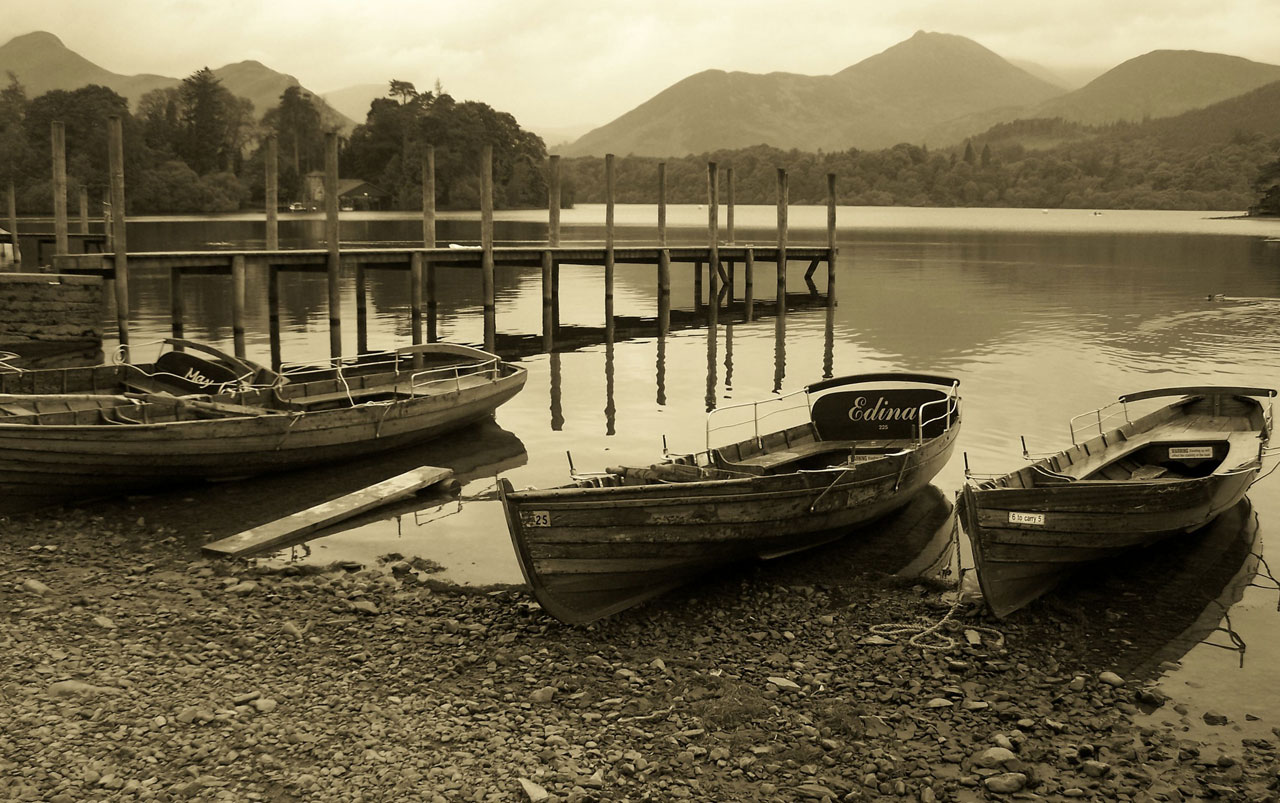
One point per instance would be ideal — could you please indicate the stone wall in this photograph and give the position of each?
(48, 307)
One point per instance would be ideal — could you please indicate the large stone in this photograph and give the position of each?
(994, 757)
(533, 791)
(1006, 783)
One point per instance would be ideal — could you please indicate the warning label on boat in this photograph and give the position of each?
(1189, 452)
(1025, 518)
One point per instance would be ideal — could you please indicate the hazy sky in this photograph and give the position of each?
(564, 62)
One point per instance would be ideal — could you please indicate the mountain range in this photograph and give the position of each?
(41, 62)
(934, 89)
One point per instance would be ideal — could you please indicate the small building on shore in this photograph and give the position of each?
(353, 193)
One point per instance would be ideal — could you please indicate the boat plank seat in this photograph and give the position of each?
(404, 389)
(773, 460)
(1242, 444)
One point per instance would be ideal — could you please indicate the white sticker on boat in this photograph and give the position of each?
(535, 518)
(1026, 518)
(1186, 452)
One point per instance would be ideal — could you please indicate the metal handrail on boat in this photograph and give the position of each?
(488, 368)
(1099, 419)
(5, 362)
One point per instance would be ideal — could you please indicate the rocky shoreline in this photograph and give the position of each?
(135, 669)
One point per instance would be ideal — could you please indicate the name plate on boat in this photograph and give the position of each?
(1026, 518)
(1190, 452)
(535, 518)
(885, 414)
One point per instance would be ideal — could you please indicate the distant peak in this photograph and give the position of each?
(42, 38)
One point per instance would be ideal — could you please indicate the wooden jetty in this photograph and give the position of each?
(720, 255)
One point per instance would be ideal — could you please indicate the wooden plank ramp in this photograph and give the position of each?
(291, 528)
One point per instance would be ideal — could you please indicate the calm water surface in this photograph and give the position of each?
(1040, 315)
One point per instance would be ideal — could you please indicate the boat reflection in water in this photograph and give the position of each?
(1152, 605)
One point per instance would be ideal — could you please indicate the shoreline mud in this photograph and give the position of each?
(137, 669)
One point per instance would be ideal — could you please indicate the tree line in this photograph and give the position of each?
(1111, 169)
(197, 148)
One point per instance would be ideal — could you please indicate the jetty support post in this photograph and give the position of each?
(550, 288)
(486, 248)
(727, 273)
(238, 294)
(84, 209)
(428, 274)
(713, 237)
(362, 309)
(13, 227)
(119, 240)
(58, 135)
(415, 304)
(608, 228)
(782, 243)
(664, 255)
(748, 289)
(272, 190)
(697, 285)
(831, 238)
(331, 233)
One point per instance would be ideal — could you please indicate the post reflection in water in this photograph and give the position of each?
(829, 339)
(557, 410)
(711, 363)
(728, 355)
(610, 410)
(779, 348)
(662, 370)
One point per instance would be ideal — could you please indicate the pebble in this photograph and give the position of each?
(1110, 678)
(1006, 782)
(36, 587)
(534, 792)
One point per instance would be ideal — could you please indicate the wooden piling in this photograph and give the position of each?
(664, 256)
(697, 285)
(748, 279)
(831, 237)
(553, 201)
(429, 236)
(728, 223)
(713, 236)
(13, 227)
(273, 315)
(58, 135)
(177, 307)
(486, 247)
(782, 242)
(84, 209)
(119, 240)
(332, 231)
(608, 227)
(272, 185)
(238, 295)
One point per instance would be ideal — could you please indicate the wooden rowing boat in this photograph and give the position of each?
(1171, 470)
(60, 446)
(606, 542)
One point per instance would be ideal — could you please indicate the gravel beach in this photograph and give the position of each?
(135, 669)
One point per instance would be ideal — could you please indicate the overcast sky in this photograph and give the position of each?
(565, 63)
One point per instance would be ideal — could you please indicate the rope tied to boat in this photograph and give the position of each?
(929, 636)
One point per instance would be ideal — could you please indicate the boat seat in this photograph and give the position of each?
(1148, 472)
(771, 461)
(1241, 444)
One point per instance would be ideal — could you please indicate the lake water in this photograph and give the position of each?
(1040, 315)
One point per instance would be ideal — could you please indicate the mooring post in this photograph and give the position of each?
(429, 236)
(713, 236)
(84, 209)
(362, 311)
(831, 236)
(748, 290)
(119, 241)
(177, 306)
(486, 247)
(58, 134)
(782, 242)
(13, 227)
(728, 223)
(272, 189)
(273, 315)
(332, 231)
(549, 288)
(697, 285)
(608, 227)
(238, 295)
(664, 256)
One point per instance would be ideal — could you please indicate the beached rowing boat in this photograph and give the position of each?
(101, 435)
(1169, 471)
(868, 444)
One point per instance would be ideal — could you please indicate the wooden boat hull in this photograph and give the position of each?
(1030, 531)
(588, 553)
(46, 464)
